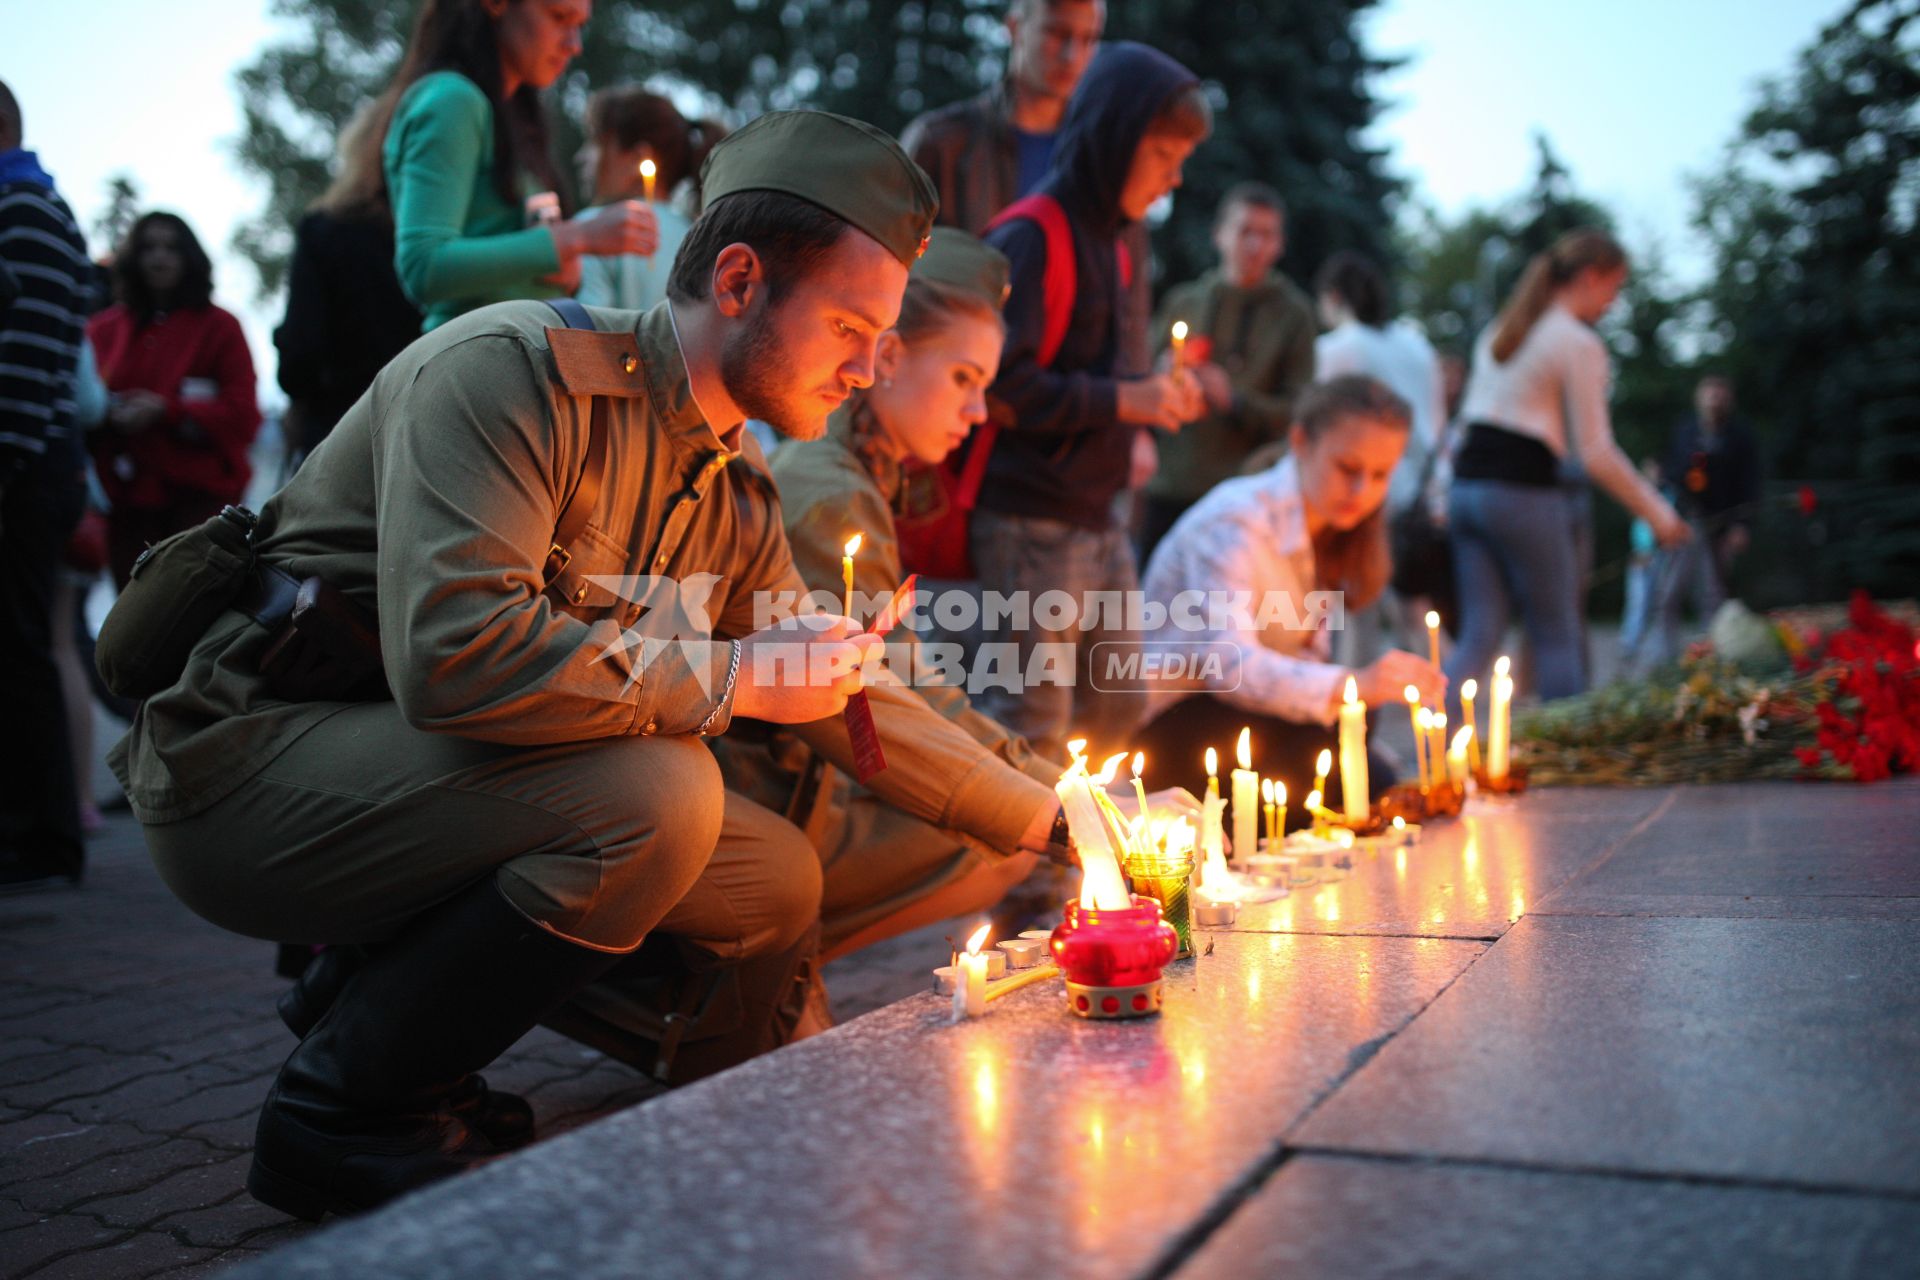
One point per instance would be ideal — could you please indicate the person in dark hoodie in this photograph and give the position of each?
(1072, 404)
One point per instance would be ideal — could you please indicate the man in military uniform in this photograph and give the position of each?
(536, 798)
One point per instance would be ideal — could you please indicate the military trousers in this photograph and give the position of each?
(365, 822)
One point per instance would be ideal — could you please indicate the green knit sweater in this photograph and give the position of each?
(456, 244)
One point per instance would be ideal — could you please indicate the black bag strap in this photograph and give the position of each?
(573, 517)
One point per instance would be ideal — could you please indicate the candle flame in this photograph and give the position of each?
(1109, 771)
(1399, 823)
(1503, 665)
(1433, 620)
(646, 169)
(1313, 799)
(1324, 765)
(1266, 791)
(1139, 764)
(1353, 691)
(1423, 717)
(853, 545)
(1279, 792)
(1439, 719)
(1213, 762)
(1077, 749)
(1179, 330)
(979, 937)
(1469, 689)
(1412, 695)
(1459, 746)
(1243, 750)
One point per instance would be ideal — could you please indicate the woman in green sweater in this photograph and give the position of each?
(466, 146)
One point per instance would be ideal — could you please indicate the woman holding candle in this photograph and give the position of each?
(1312, 523)
(466, 148)
(1538, 392)
(628, 128)
(886, 870)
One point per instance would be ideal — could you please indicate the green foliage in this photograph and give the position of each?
(122, 211)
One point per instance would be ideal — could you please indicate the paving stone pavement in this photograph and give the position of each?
(136, 1042)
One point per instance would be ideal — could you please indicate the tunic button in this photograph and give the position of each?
(580, 593)
(650, 726)
(629, 363)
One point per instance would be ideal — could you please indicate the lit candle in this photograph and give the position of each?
(1468, 689)
(1246, 799)
(1457, 758)
(1419, 738)
(1433, 637)
(1179, 343)
(1498, 726)
(846, 571)
(970, 984)
(1322, 766)
(1437, 746)
(1279, 821)
(1213, 774)
(1314, 811)
(647, 175)
(1423, 744)
(1266, 807)
(1140, 793)
(1353, 755)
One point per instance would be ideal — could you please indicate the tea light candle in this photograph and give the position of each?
(1022, 953)
(1211, 914)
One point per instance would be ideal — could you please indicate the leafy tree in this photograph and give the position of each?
(1814, 302)
(122, 211)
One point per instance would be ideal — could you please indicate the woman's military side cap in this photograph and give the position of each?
(965, 262)
(847, 167)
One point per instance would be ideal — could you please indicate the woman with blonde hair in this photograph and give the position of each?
(1537, 392)
(1315, 522)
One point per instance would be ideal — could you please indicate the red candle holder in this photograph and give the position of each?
(1112, 959)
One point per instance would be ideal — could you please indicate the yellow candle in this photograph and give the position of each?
(1140, 792)
(1179, 343)
(1499, 726)
(1278, 823)
(1423, 744)
(1433, 637)
(846, 571)
(1314, 810)
(647, 175)
(1457, 758)
(1322, 766)
(1437, 746)
(1266, 807)
(1353, 755)
(1246, 798)
(970, 981)
(1468, 689)
(1419, 738)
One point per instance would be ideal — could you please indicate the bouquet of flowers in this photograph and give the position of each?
(1792, 703)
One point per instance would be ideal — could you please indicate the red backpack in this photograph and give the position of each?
(934, 531)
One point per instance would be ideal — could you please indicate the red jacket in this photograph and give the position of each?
(196, 360)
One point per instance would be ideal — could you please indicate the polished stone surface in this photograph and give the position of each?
(1757, 1049)
(1468, 877)
(1342, 1218)
(1026, 1143)
(1798, 852)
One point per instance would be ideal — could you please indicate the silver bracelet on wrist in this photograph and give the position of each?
(726, 690)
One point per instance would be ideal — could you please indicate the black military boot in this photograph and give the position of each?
(504, 1119)
(359, 1113)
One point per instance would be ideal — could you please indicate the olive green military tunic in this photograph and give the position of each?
(523, 738)
(878, 859)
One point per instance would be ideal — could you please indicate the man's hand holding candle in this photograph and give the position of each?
(802, 669)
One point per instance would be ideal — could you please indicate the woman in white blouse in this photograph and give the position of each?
(1538, 391)
(1252, 577)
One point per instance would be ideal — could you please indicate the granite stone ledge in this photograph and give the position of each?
(1765, 1050)
(1025, 1143)
(1347, 1219)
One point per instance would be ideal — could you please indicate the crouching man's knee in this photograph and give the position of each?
(649, 814)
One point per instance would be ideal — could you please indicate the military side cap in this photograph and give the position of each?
(965, 262)
(847, 167)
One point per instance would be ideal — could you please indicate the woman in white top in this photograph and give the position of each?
(1538, 391)
(627, 126)
(1251, 577)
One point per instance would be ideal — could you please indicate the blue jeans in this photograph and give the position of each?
(1513, 546)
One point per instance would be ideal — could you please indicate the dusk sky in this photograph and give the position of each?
(1635, 95)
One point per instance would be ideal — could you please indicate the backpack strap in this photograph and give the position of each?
(1061, 279)
(586, 491)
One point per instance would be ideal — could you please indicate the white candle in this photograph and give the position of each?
(970, 984)
(1213, 774)
(1457, 758)
(1498, 724)
(1468, 690)
(1140, 793)
(1353, 755)
(1102, 886)
(846, 571)
(1419, 738)
(1246, 799)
